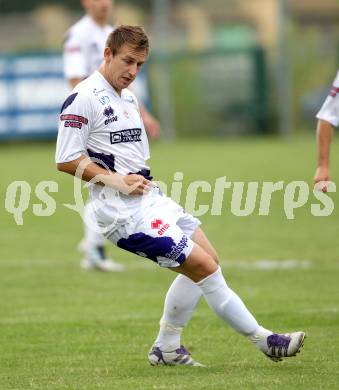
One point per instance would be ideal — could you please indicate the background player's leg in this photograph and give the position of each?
(93, 245)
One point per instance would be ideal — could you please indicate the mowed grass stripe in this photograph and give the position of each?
(61, 328)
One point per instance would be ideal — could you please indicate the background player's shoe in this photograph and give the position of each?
(279, 346)
(177, 357)
(105, 265)
(95, 260)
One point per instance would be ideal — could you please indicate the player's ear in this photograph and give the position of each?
(107, 54)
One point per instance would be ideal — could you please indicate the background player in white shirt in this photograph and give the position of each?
(328, 118)
(98, 130)
(83, 54)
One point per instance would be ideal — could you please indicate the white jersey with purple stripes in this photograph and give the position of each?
(84, 47)
(329, 111)
(95, 121)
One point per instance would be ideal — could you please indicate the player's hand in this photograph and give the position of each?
(321, 178)
(136, 185)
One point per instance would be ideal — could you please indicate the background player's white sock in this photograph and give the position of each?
(181, 300)
(93, 238)
(227, 305)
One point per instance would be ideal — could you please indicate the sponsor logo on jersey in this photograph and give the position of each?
(128, 135)
(104, 100)
(334, 91)
(74, 121)
(73, 117)
(73, 124)
(109, 114)
(177, 249)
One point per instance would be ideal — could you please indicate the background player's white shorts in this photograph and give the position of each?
(158, 229)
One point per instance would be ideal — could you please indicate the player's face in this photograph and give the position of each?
(123, 68)
(98, 9)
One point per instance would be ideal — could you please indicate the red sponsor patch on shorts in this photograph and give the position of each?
(163, 229)
(156, 224)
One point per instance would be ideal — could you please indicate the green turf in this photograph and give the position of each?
(61, 328)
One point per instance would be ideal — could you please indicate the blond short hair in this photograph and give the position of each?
(133, 36)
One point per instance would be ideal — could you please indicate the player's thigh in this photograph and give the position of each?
(190, 226)
(198, 265)
(201, 239)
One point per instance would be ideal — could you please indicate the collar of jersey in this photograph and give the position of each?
(108, 84)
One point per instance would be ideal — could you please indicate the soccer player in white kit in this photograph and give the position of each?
(83, 54)
(102, 139)
(328, 118)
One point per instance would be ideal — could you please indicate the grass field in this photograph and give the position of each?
(61, 328)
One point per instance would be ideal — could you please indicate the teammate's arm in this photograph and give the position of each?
(152, 126)
(74, 59)
(324, 138)
(85, 169)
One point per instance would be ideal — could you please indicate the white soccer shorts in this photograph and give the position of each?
(159, 230)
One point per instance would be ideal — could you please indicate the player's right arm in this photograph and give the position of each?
(71, 152)
(324, 138)
(86, 170)
(74, 58)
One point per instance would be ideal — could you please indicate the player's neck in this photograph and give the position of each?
(103, 72)
(99, 22)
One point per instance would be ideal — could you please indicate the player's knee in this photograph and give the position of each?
(210, 267)
(215, 256)
(203, 267)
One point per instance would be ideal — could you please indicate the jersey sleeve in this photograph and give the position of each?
(74, 127)
(74, 57)
(329, 111)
